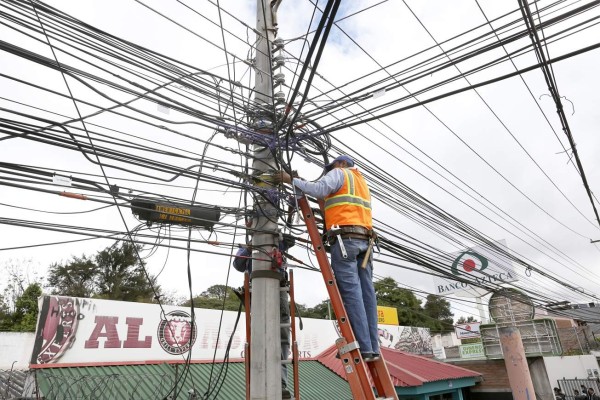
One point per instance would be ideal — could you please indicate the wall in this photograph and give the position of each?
(494, 386)
(493, 371)
(539, 377)
(15, 346)
(545, 372)
(569, 367)
(445, 340)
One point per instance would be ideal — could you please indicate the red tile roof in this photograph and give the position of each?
(406, 369)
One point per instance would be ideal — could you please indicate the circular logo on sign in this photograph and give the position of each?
(469, 261)
(59, 318)
(176, 332)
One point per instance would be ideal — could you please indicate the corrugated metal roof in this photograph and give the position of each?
(150, 382)
(405, 369)
(106, 382)
(316, 381)
(13, 383)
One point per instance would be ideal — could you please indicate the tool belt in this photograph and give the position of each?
(350, 232)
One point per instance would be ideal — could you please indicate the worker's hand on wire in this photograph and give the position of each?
(285, 177)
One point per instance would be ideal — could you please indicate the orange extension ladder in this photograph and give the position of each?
(354, 366)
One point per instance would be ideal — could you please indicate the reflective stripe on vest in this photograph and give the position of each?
(351, 205)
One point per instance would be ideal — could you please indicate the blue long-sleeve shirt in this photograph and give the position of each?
(328, 184)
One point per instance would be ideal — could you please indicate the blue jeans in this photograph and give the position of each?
(357, 291)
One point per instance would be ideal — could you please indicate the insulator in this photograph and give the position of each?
(278, 61)
(278, 44)
(279, 97)
(279, 79)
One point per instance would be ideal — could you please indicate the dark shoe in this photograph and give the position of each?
(285, 394)
(370, 357)
(367, 357)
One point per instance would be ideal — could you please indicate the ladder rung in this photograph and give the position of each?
(286, 324)
(287, 362)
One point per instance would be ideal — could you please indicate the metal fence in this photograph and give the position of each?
(568, 386)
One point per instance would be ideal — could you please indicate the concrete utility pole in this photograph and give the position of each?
(265, 346)
(516, 364)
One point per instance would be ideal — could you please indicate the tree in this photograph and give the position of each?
(320, 311)
(19, 298)
(410, 312)
(121, 275)
(77, 278)
(212, 298)
(5, 314)
(438, 309)
(115, 273)
(24, 316)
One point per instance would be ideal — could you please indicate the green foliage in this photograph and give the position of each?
(76, 278)
(320, 311)
(410, 312)
(115, 273)
(4, 315)
(438, 309)
(212, 298)
(24, 316)
(19, 298)
(435, 314)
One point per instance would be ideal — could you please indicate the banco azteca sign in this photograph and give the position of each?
(477, 265)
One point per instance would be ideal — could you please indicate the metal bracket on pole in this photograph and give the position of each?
(266, 274)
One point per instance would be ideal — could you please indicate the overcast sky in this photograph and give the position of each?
(387, 33)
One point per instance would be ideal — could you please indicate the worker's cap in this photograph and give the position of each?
(344, 157)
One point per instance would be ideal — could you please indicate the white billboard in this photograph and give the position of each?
(406, 338)
(478, 264)
(82, 331)
(467, 331)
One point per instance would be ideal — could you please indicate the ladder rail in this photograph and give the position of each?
(356, 362)
(295, 355)
(354, 366)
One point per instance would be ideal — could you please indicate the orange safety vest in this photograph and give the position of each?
(351, 205)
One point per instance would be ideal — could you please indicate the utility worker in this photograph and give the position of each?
(350, 232)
